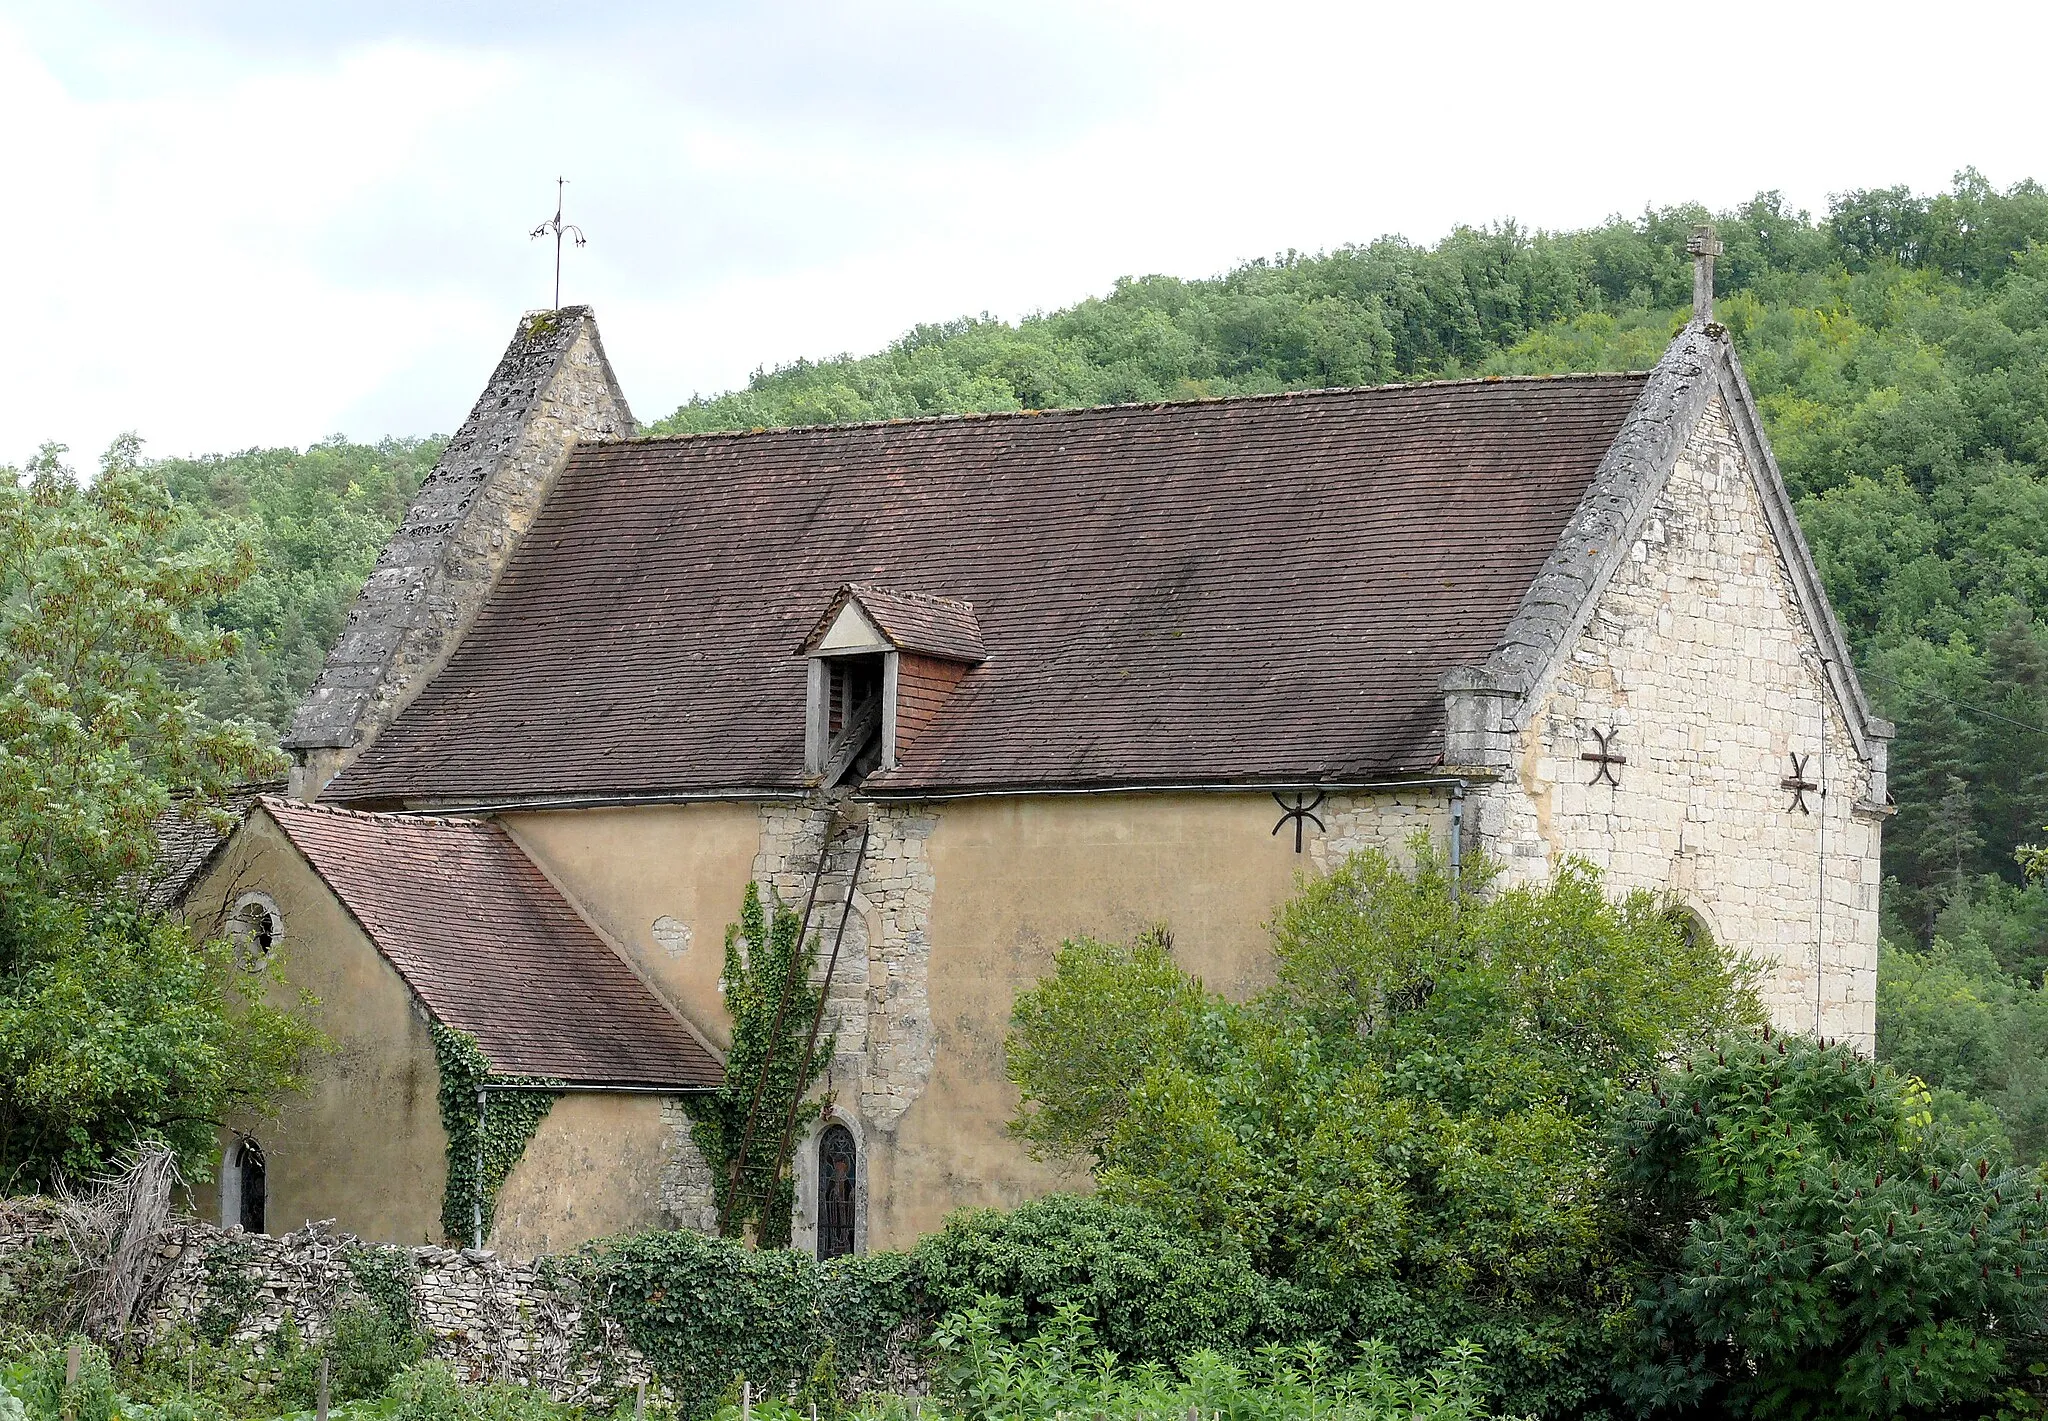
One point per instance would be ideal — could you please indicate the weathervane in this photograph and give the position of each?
(558, 227)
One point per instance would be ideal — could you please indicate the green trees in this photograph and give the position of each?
(98, 618)
(1409, 1127)
(115, 1024)
(1831, 1253)
(1548, 1124)
(315, 522)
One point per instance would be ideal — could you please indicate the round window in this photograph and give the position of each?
(256, 927)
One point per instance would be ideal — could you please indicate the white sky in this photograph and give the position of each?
(240, 222)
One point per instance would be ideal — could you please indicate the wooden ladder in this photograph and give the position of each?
(799, 964)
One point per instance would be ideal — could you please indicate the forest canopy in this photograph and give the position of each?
(1898, 344)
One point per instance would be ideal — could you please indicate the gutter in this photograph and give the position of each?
(601, 801)
(1415, 781)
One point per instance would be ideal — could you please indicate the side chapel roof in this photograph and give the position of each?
(1242, 590)
(492, 948)
(187, 844)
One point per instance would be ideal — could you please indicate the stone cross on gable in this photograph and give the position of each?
(1704, 247)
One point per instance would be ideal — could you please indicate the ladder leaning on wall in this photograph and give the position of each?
(800, 964)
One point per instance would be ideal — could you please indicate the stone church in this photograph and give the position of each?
(970, 685)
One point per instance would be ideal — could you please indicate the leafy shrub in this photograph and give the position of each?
(376, 1339)
(1149, 1292)
(705, 1311)
(368, 1350)
(37, 1287)
(428, 1391)
(1060, 1371)
(37, 1379)
(1831, 1249)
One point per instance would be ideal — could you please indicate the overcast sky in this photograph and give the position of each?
(240, 222)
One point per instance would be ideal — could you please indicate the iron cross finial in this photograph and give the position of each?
(1704, 246)
(557, 227)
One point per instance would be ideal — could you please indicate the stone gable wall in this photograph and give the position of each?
(1699, 660)
(552, 389)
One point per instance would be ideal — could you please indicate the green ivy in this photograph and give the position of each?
(707, 1312)
(763, 953)
(385, 1277)
(229, 1288)
(495, 1136)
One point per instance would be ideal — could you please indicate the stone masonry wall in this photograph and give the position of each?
(1384, 820)
(879, 1006)
(1698, 664)
(552, 388)
(878, 1011)
(489, 1318)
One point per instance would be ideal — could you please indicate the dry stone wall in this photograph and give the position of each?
(489, 1318)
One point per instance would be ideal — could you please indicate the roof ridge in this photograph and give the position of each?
(970, 416)
(858, 588)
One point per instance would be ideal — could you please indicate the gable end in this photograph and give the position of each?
(1488, 704)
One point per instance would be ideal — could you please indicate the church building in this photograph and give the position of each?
(967, 686)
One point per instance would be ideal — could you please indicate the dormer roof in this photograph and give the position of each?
(890, 620)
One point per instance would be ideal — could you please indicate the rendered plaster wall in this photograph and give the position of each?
(362, 1143)
(1698, 657)
(552, 389)
(661, 882)
(959, 907)
(594, 1168)
(1008, 880)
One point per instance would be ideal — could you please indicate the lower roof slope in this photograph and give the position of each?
(492, 948)
(1228, 591)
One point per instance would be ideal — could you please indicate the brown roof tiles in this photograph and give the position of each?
(491, 948)
(1247, 590)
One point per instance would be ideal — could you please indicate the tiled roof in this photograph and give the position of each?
(186, 845)
(491, 948)
(912, 621)
(1247, 590)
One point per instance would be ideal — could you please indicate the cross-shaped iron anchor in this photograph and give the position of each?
(1303, 809)
(1799, 784)
(1606, 758)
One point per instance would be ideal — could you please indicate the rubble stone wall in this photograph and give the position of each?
(489, 1318)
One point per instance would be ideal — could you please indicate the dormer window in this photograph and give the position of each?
(854, 685)
(881, 664)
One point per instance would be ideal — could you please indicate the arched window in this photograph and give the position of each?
(244, 1191)
(836, 1176)
(1691, 927)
